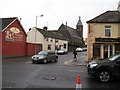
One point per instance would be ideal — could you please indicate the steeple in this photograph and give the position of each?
(79, 27)
(79, 23)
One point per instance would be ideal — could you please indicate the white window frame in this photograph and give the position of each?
(108, 30)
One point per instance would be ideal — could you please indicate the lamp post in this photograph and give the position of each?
(36, 31)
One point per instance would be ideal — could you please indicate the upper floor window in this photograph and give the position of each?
(56, 40)
(49, 47)
(107, 31)
(47, 39)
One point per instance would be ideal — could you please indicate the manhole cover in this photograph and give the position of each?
(49, 77)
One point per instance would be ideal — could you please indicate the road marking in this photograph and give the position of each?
(28, 62)
(69, 61)
(76, 71)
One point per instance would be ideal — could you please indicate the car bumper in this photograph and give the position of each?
(61, 53)
(37, 61)
(91, 71)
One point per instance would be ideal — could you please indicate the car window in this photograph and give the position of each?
(43, 53)
(114, 57)
(118, 59)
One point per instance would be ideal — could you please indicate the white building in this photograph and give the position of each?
(49, 40)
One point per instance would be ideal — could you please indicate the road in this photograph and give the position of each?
(21, 73)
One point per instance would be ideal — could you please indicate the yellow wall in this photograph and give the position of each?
(97, 30)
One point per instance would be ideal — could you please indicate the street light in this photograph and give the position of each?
(36, 31)
(37, 17)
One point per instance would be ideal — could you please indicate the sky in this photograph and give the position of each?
(55, 12)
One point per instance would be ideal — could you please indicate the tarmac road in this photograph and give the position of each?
(21, 73)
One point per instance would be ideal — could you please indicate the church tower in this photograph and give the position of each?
(79, 27)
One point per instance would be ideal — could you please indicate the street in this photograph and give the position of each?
(23, 74)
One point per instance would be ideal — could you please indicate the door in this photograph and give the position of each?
(49, 56)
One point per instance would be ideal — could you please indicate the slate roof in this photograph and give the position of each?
(4, 22)
(107, 17)
(51, 34)
(70, 30)
(79, 21)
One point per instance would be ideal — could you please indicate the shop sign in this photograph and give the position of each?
(107, 39)
(14, 34)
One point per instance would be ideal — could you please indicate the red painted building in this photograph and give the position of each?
(13, 38)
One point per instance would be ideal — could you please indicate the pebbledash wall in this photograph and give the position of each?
(14, 41)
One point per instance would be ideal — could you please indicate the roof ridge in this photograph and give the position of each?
(101, 16)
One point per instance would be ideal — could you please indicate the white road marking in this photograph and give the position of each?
(28, 62)
(76, 71)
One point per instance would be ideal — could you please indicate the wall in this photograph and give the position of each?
(96, 30)
(41, 40)
(31, 48)
(14, 43)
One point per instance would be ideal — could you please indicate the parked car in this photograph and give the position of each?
(62, 51)
(106, 69)
(81, 49)
(44, 56)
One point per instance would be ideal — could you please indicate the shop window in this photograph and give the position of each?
(96, 51)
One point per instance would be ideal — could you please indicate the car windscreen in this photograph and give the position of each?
(114, 57)
(43, 53)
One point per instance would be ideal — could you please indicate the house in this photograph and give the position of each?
(13, 38)
(103, 35)
(74, 36)
(48, 40)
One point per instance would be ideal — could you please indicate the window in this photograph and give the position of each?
(56, 40)
(65, 46)
(47, 39)
(49, 47)
(51, 40)
(107, 31)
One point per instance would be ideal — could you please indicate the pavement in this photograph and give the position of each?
(81, 61)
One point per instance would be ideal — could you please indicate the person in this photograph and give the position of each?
(75, 54)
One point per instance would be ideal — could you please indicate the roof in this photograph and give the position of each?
(51, 34)
(107, 17)
(70, 30)
(4, 22)
(79, 23)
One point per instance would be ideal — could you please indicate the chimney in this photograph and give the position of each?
(45, 28)
(118, 6)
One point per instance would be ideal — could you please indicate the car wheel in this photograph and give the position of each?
(56, 59)
(104, 76)
(45, 61)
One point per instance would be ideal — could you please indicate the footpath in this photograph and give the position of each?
(81, 61)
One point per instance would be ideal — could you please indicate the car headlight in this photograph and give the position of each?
(93, 65)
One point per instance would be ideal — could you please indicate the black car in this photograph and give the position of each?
(44, 56)
(106, 69)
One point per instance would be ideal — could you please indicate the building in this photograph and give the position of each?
(13, 38)
(103, 35)
(46, 39)
(74, 36)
